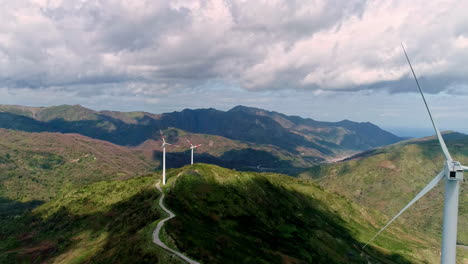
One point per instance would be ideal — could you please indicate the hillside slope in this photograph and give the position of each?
(38, 166)
(388, 178)
(228, 153)
(223, 216)
(226, 216)
(105, 222)
(346, 134)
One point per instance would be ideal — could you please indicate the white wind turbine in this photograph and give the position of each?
(452, 173)
(163, 146)
(192, 147)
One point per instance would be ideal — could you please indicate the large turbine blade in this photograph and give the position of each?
(439, 136)
(426, 189)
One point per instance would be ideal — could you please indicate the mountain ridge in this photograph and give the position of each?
(297, 135)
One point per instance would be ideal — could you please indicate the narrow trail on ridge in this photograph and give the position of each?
(157, 230)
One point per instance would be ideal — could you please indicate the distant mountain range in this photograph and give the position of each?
(310, 140)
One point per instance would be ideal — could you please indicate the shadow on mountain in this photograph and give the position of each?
(12, 208)
(104, 128)
(254, 222)
(247, 159)
(257, 221)
(32, 239)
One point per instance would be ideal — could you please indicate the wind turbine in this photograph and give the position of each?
(452, 173)
(192, 147)
(163, 146)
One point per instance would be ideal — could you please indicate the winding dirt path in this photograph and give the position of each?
(157, 230)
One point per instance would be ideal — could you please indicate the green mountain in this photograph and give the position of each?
(346, 134)
(105, 222)
(313, 140)
(38, 166)
(386, 179)
(223, 216)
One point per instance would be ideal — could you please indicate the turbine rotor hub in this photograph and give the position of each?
(454, 171)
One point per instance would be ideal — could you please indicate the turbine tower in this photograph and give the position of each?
(192, 147)
(163, 146)
(452, 173)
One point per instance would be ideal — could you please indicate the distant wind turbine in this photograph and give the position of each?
(163, 146)
(453, 175)
(192, 147)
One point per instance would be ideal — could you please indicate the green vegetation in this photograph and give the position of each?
(229, 153)
(388, 178)
(223, 216)
(226, 216)
(105, 222)
(39, 166)
(66, 112)
(65, 198)
(19, 110)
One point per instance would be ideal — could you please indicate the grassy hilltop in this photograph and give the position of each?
(227, 216)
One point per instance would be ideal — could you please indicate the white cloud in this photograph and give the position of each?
(257, 45)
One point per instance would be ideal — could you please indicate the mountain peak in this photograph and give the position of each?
(243, 108)
(66, 112)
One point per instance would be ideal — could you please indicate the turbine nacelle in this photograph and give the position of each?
(191, 144)
(164, 144)
(168, 144)
(453, 170)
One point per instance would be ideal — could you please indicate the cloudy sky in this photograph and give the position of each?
(328, 60)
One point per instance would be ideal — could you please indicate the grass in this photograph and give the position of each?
(227, 216)
(105, 222)
(39, 166)
(391, 176)
(223, 216)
